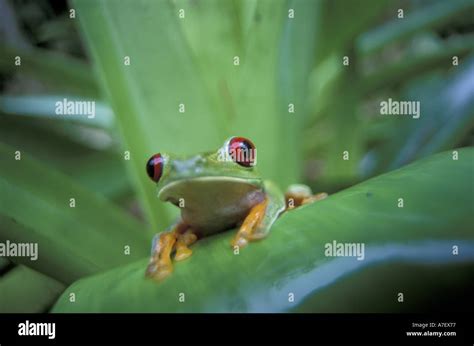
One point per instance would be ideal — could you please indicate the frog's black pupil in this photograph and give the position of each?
(150, 168)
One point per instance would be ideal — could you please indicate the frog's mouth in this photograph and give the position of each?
(206, 189)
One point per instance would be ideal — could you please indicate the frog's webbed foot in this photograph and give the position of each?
(164, 245)
(160, 265)
(184, 240)
(298, 195)
(261, 217)
(247, 229)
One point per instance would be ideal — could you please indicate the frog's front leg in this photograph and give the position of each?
(261, 217)
(164, 245)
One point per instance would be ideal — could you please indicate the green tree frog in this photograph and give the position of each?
(216, 191)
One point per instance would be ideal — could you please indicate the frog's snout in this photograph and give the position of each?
(187, 165)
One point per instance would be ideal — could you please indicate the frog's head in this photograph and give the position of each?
(229, 167)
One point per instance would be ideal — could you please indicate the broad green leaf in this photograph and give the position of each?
(336, 129)
(215, 34)
(423, 19)
(259, 97)
(35, 206)
(101, 172)
(253, 94)
(294, 65)
(25, 290)
(293, 258)
(60, 72)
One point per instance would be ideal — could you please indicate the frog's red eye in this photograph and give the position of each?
(154, 167)
(242, 151)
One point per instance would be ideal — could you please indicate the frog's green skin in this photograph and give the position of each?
(216, 193)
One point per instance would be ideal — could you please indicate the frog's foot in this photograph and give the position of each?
(164, 245)
(314, 198)
(247, 230)
(160, 265)
(184, 240)
(299, 194)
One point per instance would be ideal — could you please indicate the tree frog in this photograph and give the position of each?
(216, 191)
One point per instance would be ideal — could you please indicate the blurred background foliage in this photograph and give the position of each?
(191, 61)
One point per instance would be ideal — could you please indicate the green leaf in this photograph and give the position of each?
(25, 290)
(446, 115)
(336, 127)
(48, 141)
(72, 241)
(260, 98)
(252, 97)
(4, 263)
(422, 289)
(293, 258)
(60, 72)
(426, 18)
(393, 75)
(345, 20)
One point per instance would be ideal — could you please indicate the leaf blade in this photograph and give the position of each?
(72, 241)
(27, 291)
(258, 279)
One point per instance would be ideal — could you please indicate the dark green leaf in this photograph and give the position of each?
(293, 258)
(48, 141)
(446, 115)
(393, 75)
(72, 241)
(60, 72)
(425, 18)
(25, 290)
